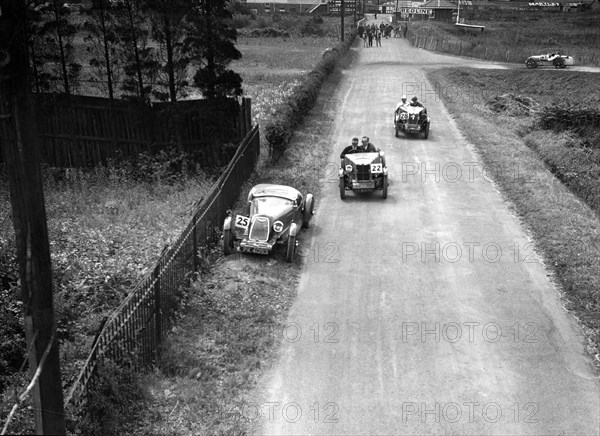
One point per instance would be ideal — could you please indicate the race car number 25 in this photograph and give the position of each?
(242, 221)
(376, 168)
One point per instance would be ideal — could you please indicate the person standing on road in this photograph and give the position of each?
(378, 38)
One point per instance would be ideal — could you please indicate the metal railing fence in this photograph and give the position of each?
(132, 334)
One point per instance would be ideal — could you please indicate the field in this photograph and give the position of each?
(512, 37)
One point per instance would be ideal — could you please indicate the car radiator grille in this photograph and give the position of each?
(259, 231)
(363, 173)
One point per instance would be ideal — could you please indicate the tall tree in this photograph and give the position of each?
(20, 147)
(139, 65)
(54, 39)
(103, 41)
(211, 45)
(168, 30)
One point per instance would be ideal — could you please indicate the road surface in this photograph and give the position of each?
(428, 312)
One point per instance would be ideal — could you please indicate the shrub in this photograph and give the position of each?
(279, 131)
(569, 117)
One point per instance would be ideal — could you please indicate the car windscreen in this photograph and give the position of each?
(267, 204)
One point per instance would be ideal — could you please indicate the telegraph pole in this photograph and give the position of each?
(18, 134)
(342, 13)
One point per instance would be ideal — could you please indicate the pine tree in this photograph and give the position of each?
(211, 45)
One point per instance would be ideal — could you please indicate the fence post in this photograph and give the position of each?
(157, 314)
(195, 243)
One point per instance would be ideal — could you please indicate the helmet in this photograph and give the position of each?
(414, 98)
(355, 140)
(403, 97)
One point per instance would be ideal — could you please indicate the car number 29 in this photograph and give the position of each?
(376, 168)
(242, 221)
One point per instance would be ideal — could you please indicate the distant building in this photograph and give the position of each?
(261, 7)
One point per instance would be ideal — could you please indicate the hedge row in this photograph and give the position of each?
(569, 117)
(303, 98)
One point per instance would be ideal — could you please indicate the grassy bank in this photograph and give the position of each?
(564, 222)
(106, 228)
(510, 37)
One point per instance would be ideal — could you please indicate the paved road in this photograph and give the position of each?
(428, 312)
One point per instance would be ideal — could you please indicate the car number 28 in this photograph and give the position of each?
(242, 221)
(376, 168)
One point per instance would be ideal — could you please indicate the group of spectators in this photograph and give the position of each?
(371, 32)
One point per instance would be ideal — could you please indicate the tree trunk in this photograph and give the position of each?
(20, 144)
(170, 65)
(106, 51)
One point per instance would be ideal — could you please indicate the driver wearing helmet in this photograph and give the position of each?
(403, 103)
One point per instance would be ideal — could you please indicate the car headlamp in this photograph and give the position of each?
(349, 168)
(278, 226)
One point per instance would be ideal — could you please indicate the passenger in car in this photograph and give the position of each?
(366, 146)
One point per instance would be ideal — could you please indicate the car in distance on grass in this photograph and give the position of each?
(363, 172)
(555, 59)
(412, 120)
(273, 215)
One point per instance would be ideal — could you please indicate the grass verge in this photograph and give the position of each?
(566, 230)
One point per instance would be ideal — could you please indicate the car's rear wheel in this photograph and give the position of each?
(531, 63)
(342, 188)
(291, 249)
(385, 187)
(228, 247)
(309, 205)
(426, 131)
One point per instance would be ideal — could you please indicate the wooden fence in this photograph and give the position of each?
(79, 131)
(132, 334)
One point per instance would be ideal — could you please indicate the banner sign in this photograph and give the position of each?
(417, 11)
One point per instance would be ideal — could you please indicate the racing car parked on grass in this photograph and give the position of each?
(556, 59)
(412, 120)
(274, 215)
(363, 172)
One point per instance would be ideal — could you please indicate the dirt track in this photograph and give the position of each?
(428, 312)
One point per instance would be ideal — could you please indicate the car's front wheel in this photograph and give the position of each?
(309, 205)
(426, 131)
(559, 63)
(531, 63)
(291, 249)
(342, 188)
(228, 247)
(397, 129)
(384, 192)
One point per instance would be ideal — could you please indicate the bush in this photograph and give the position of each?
(569, 117)
(312, 27)
(240, 20)
(279, 131)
